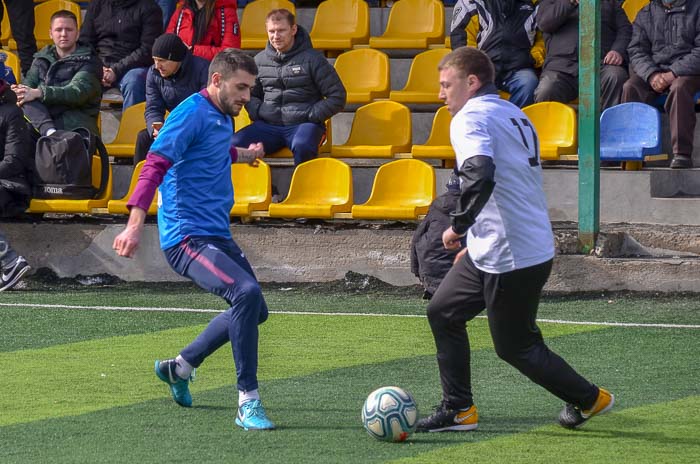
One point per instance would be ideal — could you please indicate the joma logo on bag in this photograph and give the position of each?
(53, 190)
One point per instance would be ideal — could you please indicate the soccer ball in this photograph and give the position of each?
(390, 414)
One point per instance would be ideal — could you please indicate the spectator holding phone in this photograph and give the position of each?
(175, 75)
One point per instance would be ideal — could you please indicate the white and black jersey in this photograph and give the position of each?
(513, 230)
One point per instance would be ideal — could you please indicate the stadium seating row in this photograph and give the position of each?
(320, 188)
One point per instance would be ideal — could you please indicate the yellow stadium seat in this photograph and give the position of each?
(5, 31)
(340, 24)
(555, 124)
(365, 74)
(320, 188)
(632, 7)
(253, 30)
(379, 130)
(242, 120)
(423, 84)
(413, 24)
(252, 188)
(119, 206)
(42, 18)
(438, 145)
(323, 148)
(402, 189)
(77, 206)
(133, 122)
(12, 61)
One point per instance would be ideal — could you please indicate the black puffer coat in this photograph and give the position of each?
(122, 32)
(295, 87)
(666, 39)
(16, 155)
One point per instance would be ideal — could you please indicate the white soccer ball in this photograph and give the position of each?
(390, 414)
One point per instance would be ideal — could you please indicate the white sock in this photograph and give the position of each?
(245, 396)
(50, 131)
(183, 369)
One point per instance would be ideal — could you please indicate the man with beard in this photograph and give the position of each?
(190, 163)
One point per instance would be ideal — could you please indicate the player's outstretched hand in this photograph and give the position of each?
(126, 243)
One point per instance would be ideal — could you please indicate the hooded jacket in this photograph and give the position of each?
(295, 87)
(122, 32)
(223, 32)
(558, 20)
(70, 85)
(666, 39)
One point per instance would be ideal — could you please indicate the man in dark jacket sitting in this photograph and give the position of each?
(16, 156)
(62, 88)
(122, 32)
(665, 58)
(295, 92)
(175, 75)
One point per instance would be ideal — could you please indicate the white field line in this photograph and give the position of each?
(311, 313)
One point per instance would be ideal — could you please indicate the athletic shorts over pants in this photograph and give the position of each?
(219, 266)
(511, 300)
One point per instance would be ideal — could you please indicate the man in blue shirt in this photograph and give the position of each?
(190, 161)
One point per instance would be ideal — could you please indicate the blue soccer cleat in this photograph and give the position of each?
(179, 387)
(251, 416)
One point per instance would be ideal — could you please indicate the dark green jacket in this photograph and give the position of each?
(71, 86)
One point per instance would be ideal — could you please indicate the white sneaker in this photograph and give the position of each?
(12, 274)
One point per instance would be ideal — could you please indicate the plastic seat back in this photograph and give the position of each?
(423, 84)
(379, 130)
(252, 188)
(253, 29)
(320, 188)
(78, 206)
(242, 120)
(364, 73)
(132, 122)
(629, 131)
(555, 124)
(402, 189)
(413, 24)
(632, 7)
(42, 18)
(340, 24)
(438, 144)
(119, 206)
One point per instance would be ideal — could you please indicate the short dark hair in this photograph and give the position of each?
(230, 60)
(63, 14)
(281, 14)
(469, 60)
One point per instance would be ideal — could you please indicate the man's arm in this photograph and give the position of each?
(477, 175)
(82, 88)
(330, 87)
(552, 14)
(155, 104)
(126, 243)
(461, 16)
(639, 49)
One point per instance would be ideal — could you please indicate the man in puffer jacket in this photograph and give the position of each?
(62, 88)
(295, 92)
(665, 58)
(123, 32)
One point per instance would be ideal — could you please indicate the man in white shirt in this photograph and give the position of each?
(508, 258)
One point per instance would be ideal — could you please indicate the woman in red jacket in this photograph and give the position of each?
(206, 26)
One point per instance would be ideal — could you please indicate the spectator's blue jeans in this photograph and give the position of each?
(301, 139)
(168, 7)
(133, 86)
(521, 85)
(218, 266)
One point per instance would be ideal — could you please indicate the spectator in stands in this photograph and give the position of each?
(12, 265)
(665, 58)
(558, 19)
(207, 26)
(6, 72)
(167, 7)
(21, 15)
(175, 75)
(122, 32)
(506, 31)
(62, 88)
(16, 157)
(295, 92)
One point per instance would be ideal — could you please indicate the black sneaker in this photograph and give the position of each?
(572, 417)
(445, 419)
(681, 161)
(11, 274)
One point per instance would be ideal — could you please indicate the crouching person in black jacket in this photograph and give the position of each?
(16, 155)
